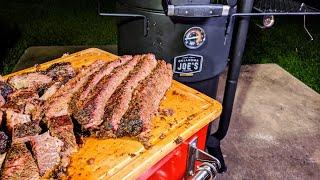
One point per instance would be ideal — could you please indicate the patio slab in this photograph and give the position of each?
(275, 127)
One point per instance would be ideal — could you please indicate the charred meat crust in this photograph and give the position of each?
(19, 164)
(145, 101)
(90, 116)
(5, 89)
(120, 100)
(61, 72)
(4, 139)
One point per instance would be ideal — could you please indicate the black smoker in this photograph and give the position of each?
(195, 36)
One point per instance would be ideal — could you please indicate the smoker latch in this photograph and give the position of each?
(211, 10)
(208, 169)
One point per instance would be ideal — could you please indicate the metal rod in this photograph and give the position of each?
(234, 69)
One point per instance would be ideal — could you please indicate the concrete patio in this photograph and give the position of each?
(275, 127)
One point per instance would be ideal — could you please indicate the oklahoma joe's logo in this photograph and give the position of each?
(189, 63)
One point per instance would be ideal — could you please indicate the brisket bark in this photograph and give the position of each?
(58, 104)
(3, 142)
(145, 101)
(46, 150)
(30, 80)
(20, 126)
(120, 99)
(61, 72)
(19, 164)
(82, 95)
(90, 116)
(5, 89)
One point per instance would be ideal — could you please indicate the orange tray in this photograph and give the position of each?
(126, 157)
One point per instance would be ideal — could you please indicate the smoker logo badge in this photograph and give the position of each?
(187, 64)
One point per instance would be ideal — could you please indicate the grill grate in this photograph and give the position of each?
(281, 6)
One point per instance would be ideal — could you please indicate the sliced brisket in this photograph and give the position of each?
(91, 115)
(119, 101)
(30, 80)
(19, 164)
(93, 80)
(145, 101)
(46, 150)
(58, 104)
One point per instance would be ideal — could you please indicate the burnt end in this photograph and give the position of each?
(60, 121)
(62, 128)
(61, 72)
(19, 164)
(3, 142)
(5, 89)
(25, 130)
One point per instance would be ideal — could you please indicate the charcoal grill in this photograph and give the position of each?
(198, 38)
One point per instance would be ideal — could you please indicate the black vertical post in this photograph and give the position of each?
(213, 141)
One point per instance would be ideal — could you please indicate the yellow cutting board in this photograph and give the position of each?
(126, 158)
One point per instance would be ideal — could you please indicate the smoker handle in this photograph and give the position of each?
(145, 19)
(200, 11)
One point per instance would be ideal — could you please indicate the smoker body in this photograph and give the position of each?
(201, 66)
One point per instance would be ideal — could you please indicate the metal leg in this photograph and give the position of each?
(213, 141)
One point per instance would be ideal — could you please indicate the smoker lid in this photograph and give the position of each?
(155, 5)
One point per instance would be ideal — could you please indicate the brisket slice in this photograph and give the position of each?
(82, 94)
(46, 150)
(30, 80)
(145, 101)
(91, 114)
(120, 99)
(19, 164)
(58, 104)
(61, 72)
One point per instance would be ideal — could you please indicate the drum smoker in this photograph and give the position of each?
(196, 36)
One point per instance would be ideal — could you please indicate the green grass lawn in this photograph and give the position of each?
(60, 22)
